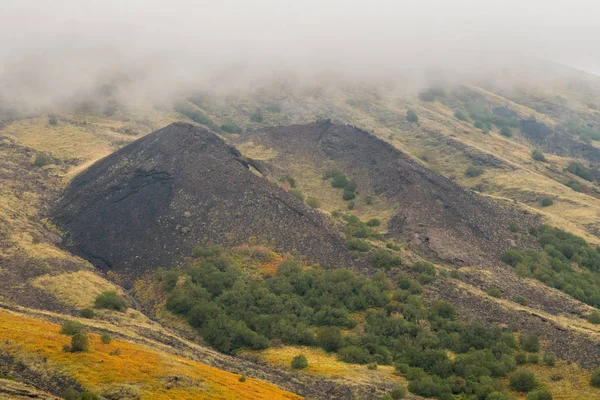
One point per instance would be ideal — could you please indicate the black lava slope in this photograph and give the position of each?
(431, 212)
(148, 204)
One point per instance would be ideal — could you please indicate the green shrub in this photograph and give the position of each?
(87, 313)
(546, 202)
(231, 127)
(354, 355)
(505, 131)
(423, 267)
(443, 309)
(580, 170)
(369, 200)
(70, 394)
(495, 292)
(329, 338)
(432, 93)
(412, 117)
(458, 114)
(549, 359)
(521, 300)
(512, 257)
(195, 115)
(339, 181)
(350, 205)
(521, 358)
(514, 227)
(393, 246)
(297, 193)
(41, 160)
(111, 301)
(257, 117)
(359, 245)
(530, 343)
(473, 172)
(299, 362)
(594, 317)
(80, 342)
(105, 338)
(242, 379)
(539, 395)
(398, 392)
(52, 119)
(499, 396)
(574, 185)
(538, 155)
(348, 195)
(373, 222)
(205, 252)
(595, 379)
(313, 202)
(523, 381)
(533, 359)
(71, 327)
(385, 259)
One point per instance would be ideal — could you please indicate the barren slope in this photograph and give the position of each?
(148, 204)
(431, 212)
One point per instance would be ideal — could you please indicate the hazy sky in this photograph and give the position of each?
(53, 47)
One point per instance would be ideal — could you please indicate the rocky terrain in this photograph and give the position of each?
(431, 212)
(148, 204)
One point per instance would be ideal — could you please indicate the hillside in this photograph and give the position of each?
(152, 201)
(430, 212)
(454, 187)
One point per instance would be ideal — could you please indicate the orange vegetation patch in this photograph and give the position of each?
(258, 258)
(150, 373)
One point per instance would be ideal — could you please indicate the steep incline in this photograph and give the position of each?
(431, 212)
(148, 204)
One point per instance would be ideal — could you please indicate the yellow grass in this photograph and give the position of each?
(78, 289)
(322, 363)
(143, 369)
(575, 384)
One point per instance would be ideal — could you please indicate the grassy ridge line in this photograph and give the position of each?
(137, 365)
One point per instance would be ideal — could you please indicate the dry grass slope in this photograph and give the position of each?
(142, 370)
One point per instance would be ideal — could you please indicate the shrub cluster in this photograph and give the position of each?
(340, 181)
(553, 265)
(483, 118)
(231, 127)
(577, 168)
(195, 115)
(234, 309)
